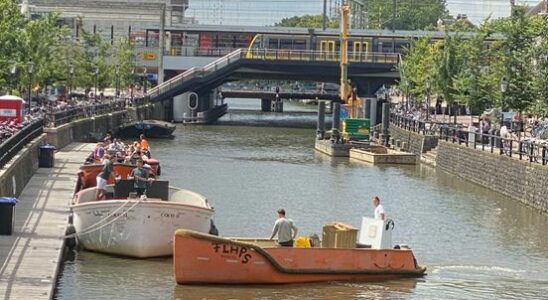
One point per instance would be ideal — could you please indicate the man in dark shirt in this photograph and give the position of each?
(140, 175)
(102, 178)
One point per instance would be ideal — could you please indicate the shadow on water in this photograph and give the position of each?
(396, 289)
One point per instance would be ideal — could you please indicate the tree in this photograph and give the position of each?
(307, 21)
(410, 14)
(11, 22)
(125, 61)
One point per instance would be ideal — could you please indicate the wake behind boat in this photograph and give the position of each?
(124, 225)
(150, 128)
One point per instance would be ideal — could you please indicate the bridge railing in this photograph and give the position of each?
(313, 55)
(10, 147)
(196, 72)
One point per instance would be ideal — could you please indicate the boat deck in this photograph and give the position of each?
(31, 257)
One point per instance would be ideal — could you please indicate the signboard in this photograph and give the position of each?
(149, 55)
(5, 112)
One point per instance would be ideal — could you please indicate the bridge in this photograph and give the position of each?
(194, 96)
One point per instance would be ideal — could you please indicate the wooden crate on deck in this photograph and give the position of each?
(339, 235)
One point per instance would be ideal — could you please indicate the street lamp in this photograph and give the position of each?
(503, 89)
(144, 81)
(71, 72)
(96, 79)
(13, 70)
(116, 70)
(30, 68)
(427, 85)
(132, 86)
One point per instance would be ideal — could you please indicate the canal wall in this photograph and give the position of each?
(15, 175)
(93, 128)
(415, 143)
(517, 179)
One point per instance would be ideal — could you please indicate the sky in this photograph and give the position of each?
(268, 12)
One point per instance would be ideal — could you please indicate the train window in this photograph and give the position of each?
(286, 44)
(272, 43)
(299, 45)
(400, 45)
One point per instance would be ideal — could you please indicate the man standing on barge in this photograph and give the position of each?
(286, 230)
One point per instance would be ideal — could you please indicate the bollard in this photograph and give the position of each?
(320, 128)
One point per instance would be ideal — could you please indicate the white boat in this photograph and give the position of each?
(138, 227)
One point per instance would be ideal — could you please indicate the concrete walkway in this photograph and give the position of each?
(30, 258)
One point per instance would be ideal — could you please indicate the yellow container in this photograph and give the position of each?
(302, 242)
(339, 235)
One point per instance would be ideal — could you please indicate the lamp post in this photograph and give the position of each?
(503, 89)
(427, 85)
(116, 70)
(13, 71)
(30, 69)
(96, 80)
(132, 86)
(144, 81)
(71, 72)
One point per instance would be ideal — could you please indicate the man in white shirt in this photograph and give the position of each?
(379, 210)
(286, 230)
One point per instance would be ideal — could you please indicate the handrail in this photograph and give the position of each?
(533, 151)
(10, 147)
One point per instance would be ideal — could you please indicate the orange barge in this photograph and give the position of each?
(205, 259)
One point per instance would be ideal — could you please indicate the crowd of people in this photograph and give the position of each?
(119, 151)
(112, 150)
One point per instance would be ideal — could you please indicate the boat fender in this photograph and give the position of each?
(71, 240)
(389, 223)
(213, 229)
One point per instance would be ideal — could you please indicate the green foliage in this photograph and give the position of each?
(50, 48)
(469, 71)
(410, 14)
(307, 21)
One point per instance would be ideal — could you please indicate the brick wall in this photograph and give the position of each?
(517, 179)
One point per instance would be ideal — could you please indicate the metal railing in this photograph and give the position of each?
(85, 111)
(533, 151)
(10, 147)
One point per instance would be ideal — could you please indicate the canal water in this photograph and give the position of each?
(475, 243)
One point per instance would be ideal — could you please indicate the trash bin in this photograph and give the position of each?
(46, 156)
(7, 215)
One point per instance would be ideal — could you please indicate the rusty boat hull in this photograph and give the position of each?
(204, 259)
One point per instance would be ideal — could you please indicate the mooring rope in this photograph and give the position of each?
(90, 228)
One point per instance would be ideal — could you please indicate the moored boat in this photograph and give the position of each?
(204, 259)
(88, 173)
(136, 227)
(150, 128)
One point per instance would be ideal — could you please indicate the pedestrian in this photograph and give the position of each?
(140, 177)
(143, 143)
(102, 178)
(286, 230)
(379, 210)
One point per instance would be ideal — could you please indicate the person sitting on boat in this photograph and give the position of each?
(379, 210)
(102, 178)
(140, 177)
(286, 230)
(144, 143)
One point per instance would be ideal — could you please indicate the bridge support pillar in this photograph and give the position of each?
(277, 106)
(266, 105)
(320, 131)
